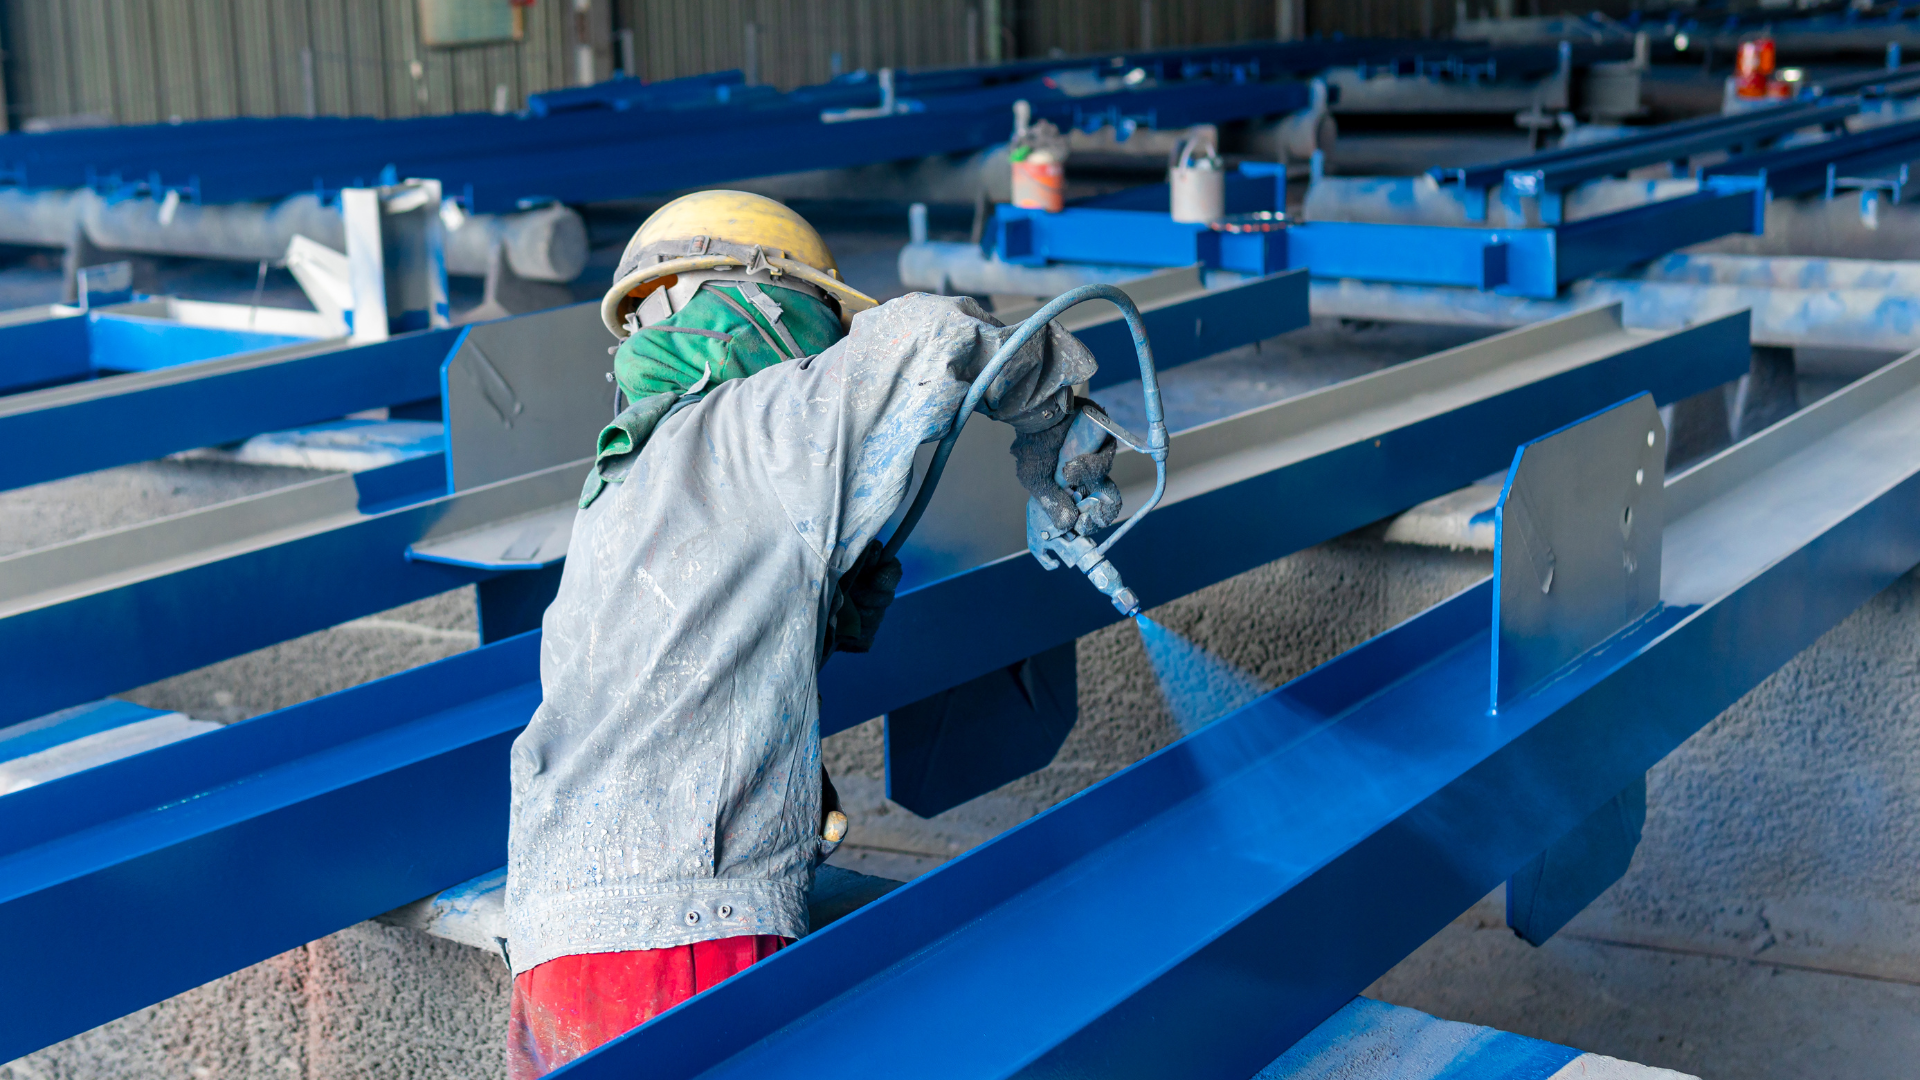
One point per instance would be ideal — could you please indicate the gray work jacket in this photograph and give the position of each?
(667, 790)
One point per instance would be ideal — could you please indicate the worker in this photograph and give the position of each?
(669, 806)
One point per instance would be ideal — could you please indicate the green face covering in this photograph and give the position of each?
(732, 340)
(726, 336)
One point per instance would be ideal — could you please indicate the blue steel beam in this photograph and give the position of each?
(227, 604)
(616, 170)
(1261, 59)
(266, 158)
(1817, 167)
(1201, 326)
(343, 782)
(1298, 848)
(214, 853)
(67, 345)
(324, 567)
(1860, 82)
(225, 162)
(1552, 169)
(43, 352)
(1518, 262)
(1194, 542)
(51, 433)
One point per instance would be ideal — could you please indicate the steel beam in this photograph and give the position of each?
(123, 608)
(174, 594)
(1849, 316)
(1547, 174)
(1823, 167)
(42, 346)
(1249, 489)
(1298, 848)
(55, 432)
(1533, 262)
(214, 853)
(505, 162)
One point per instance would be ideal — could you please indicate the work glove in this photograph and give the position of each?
(866, 589)
(1037, 465)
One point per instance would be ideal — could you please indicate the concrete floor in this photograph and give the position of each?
(1768, 928)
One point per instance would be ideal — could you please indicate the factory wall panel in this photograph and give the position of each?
(145, 61)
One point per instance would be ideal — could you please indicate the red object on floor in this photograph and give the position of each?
(571, 1004)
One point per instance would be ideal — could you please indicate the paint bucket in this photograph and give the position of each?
(1198, 183)
(1039, 181)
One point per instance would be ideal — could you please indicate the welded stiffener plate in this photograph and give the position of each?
(526, 393)
(1576, 561)
(1577, 554)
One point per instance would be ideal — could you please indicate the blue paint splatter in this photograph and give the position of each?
(1198, 686)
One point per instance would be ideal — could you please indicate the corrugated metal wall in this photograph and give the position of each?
(140, 61)
(1074, 26)
(797, 42)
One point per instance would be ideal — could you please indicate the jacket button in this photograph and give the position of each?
(725, 911)
(693, 918)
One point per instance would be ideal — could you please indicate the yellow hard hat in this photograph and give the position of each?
(711, 230)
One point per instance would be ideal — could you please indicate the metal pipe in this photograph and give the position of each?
(951, 268)
(547, 244)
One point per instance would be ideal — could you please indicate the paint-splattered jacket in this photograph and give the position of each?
(668, 788)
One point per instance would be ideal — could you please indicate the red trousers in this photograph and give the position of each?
(571, 1004)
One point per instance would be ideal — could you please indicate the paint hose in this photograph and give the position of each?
(1072, 547)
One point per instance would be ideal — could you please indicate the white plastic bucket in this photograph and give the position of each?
(1199, 186)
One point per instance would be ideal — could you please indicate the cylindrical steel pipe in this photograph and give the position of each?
(548, 244)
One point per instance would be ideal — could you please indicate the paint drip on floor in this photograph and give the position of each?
(1198, 686)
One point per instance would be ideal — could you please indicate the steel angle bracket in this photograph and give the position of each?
(1297, 849)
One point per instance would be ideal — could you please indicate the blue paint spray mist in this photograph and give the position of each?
(1198, 686)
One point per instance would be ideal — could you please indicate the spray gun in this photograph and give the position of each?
(1095, 501)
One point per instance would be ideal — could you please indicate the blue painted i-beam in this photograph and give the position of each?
(1298, 848)
(1532, 262)
(210, 854)
(59, 431)
(716, 124)
(231, 602)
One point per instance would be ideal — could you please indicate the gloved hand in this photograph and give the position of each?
(866, 589)
(1037, 465)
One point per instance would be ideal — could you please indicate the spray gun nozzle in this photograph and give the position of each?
(1107, 579)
